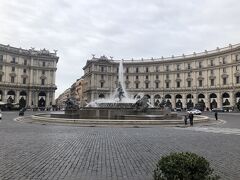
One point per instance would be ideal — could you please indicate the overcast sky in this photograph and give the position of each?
(119, 28)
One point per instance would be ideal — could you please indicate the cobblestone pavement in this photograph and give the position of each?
(39, 152)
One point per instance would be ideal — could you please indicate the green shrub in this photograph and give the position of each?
(183, 166)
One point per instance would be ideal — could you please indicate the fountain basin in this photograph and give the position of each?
(117, 113)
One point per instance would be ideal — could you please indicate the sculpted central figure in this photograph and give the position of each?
(120, 92)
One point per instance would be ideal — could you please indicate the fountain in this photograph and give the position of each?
(120, 106)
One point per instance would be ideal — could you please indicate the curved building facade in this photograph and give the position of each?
(210, 79)
(27, 77)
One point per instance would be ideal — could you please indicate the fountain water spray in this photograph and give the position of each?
(120, 94)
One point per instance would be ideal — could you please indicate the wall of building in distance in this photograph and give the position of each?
(27, 77)
(210, 78)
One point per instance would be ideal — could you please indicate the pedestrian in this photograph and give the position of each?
(191, 118)
(185, 119)
(216, 115)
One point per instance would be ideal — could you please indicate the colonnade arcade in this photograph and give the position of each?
(25, 98)
(201, 100)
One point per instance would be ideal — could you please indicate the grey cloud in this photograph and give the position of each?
(120, 28)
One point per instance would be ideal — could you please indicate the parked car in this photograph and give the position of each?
(178, 109)
(195, 111)
(217, 110)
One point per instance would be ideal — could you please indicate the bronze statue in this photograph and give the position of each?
(71, 104)
(120, 92)
(141, 104)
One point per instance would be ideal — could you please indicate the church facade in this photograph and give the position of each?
(27, 77)
(210, 79)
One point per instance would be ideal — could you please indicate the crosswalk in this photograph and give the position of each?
(234, 131)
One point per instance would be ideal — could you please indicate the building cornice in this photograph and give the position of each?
(43, 53)
(173, 59)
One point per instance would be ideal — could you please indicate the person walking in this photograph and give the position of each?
(191, 118)
(216, 115)
(185, 119)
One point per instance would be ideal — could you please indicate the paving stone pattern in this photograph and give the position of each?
(49, 152)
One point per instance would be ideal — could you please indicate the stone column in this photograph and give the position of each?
(29, 98)
(173, 101)
(184, 101)
(219, 100)
(232, 99)
(17, 96)
(5, 96)
(152, 99)
(207, 100)
(47, 99)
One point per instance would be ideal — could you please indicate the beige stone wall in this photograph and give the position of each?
(100, 75)
(38, 68)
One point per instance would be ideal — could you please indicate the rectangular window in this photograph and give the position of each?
(178, 67)
(189, 66)
(167, 68)
(13, 69)
(178, 84)
(211, 62)
(224, 70)
(12, 79)
(136, 77)
(167, 76)
(127, 70)
(156, 84)
(43, 72)
(24, 70)
(126, 77)
(237, 79)
(167, 84)
(146, 77)
(157, 68)
(157, 77)
(189, 74)
(25, 62)
(24, 80)
(237, 68)
(136, 85)
(43, 64)
(146, 69)
(212, 72)
(43, 81)
(212, 82)
(200, 73)
(224, 81)
(223, 60)
(200, 64)
(1, 57)
(0, 78)
(102, 76)
(13, 60)
(200, 83)
(102, 69)
(237, 57)
(178, 75)
(137, 70)
(146, 85)
(189, 83)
